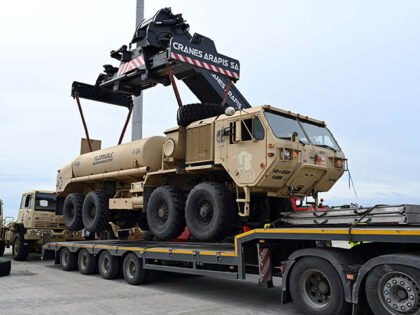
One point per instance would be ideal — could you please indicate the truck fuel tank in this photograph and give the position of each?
(135, 154)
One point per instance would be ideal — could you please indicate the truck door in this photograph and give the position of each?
(246, 151)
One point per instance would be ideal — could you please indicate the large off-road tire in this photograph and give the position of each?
(68, 260)
(210, 212)
(133, 271)
(316, 288)
(2, 248)
(72, 211)
(19, 249)
(393, 289)
(108, 265)
(95, 212)
(86, 262)
(165, 212)
(5, 265)
(193, 112)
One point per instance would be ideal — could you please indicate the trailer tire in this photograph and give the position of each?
(108, 265)
(72, 211)
(86, 262)
(19, 249)
(95, 212)
(316, 287)
(209, 212)
(192, 112)
(2, 248)
(68, 260)
(393, 289)
(5, 266)
(165, 212)
(133, 271)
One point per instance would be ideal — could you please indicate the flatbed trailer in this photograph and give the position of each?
(384, 263)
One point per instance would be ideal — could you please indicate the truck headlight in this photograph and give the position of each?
(38, 233)
(33, 232)
(286, 154)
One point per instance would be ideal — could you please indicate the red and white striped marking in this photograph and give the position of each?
(204, 65)
(132, 64)
(264, 265)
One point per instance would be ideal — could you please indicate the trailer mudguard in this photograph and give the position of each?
(406, 259)
(339, 258)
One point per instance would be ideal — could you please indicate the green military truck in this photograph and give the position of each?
(36, 224)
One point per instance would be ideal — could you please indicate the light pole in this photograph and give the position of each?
(137, 122)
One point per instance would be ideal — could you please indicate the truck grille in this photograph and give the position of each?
(199, 144)
(48, 225)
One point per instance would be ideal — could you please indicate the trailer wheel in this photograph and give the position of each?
(86, 262)
(209, 212)
(68, 260)
(72, 211)
(19, 249)
(133, 271)
(5, 266)
(95, 212)
(316, 287)
(2, 248)
(393, 289)
(165, 212)
(192, 112)
(108, 265)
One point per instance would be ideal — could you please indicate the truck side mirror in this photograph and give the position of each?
(295, 136)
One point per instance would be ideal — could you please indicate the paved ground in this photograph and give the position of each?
(35, 287)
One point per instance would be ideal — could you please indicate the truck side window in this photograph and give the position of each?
(257, 129)
(29, 201)
(246, 130)
(252, 129)
(22, 203)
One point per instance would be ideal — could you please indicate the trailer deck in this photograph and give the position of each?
(232, 254)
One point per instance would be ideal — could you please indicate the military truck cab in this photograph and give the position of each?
(36, 224)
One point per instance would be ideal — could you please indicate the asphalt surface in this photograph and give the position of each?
(35, 287)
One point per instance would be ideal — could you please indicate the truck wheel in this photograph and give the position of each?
(133, 270)
(192, 112)
(86, 262)
(165, 212)
(108, 265)
(316, 287)
(68, 260)
(5, 266)
(95, 212)
(72, 211)
(2, 248)
(19, 250)
(393, 289)
(209, 212)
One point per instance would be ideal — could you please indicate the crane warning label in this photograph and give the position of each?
(214, 58)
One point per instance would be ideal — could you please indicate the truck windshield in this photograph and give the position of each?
(45, 202)
(283, 126)
(320, 136)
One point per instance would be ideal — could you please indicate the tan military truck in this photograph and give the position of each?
(214, 175)
(36, 224)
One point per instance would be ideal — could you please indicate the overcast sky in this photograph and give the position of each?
(354, 64)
